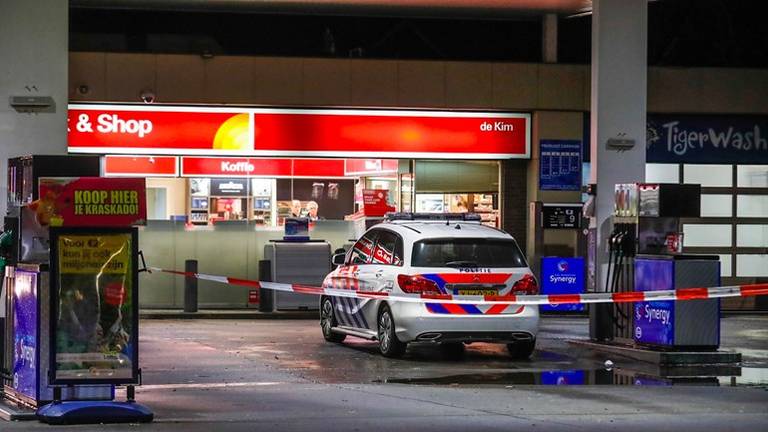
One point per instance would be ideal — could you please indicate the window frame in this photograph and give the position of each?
(398, 242)
(734, 221)
(374, 239)
(511, 240)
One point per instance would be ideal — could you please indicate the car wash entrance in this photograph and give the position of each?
(221, 181)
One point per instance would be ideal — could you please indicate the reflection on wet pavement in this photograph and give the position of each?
(295, 351)
(704, 376)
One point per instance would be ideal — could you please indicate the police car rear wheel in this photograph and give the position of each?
(389, 344)
(328, 321)
(521, 350)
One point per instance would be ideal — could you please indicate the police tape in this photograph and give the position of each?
(511, 299)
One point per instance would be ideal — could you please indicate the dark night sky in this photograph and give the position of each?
(727, 33)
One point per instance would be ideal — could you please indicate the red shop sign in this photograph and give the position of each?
(194, 166)
(140, 166)
(298, 132)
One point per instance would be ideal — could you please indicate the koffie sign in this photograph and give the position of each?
(92, 201)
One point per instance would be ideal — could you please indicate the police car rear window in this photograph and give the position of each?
(467, 252)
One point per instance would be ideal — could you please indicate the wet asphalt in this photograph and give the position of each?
(211, 375)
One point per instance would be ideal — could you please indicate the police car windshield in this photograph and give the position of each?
(480, 252)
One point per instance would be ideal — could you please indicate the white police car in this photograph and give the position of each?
(432, 254)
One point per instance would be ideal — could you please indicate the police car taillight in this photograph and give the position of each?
(417, 285)
(527, 285)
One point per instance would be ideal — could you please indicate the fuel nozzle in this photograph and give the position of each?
(6, 242)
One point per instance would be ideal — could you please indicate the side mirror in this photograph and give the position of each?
(338, 259)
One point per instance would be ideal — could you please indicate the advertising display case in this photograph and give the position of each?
(94, 302)
(25, 317)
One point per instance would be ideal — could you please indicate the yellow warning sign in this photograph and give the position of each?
(103, 253)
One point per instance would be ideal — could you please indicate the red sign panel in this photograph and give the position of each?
(256, 167)
(293, 132)
(91, 201)
(125, 129)
(253, 296)
(140, 166)
(406, 134)
(360, 167)
(375, 202)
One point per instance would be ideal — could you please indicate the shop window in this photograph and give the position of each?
(726, 267)
(363, 249)
(586, 173)
(752, 176)
(708, 175)
(752, 236)
(752, 206)
(716, 205)
(751, 265)
(157, 203)
(662, 173)
(389, 249)
(707, 235)
(456, 176)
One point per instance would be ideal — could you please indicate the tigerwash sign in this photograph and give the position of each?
(688, 138)
(700, 138)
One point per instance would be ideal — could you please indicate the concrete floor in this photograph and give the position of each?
(213, 375)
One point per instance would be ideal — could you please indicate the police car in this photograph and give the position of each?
(432, 254)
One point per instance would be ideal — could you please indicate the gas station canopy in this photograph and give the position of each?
(421, 8)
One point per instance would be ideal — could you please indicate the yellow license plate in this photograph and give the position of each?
(477, 292)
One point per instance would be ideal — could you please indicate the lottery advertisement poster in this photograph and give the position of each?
(94, 334)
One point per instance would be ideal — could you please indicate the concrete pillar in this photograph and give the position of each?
(618, 105)
(34, 50)
(549, 38)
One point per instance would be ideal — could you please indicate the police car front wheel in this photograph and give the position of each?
(328, 321)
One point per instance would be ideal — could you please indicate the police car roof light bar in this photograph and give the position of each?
(407, 216)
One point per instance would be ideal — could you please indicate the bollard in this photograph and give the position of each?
(190, 287)
(266, 297)
(601, 322)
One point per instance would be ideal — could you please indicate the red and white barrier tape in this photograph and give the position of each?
(552, 299)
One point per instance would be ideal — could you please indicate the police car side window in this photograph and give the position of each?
(363, 249)
(389, 249)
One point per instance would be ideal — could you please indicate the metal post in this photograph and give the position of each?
(266, 297)
(601, 322)
(190, 287)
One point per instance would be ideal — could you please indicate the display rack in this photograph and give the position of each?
(199, 210)
(262, 209)
(484, 206)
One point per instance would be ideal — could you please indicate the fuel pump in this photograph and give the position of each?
(645, 254)
(71, 333)
(6, 245)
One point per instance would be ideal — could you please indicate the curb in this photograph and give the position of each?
(11, 413)
(246, 315)
(663, 358)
